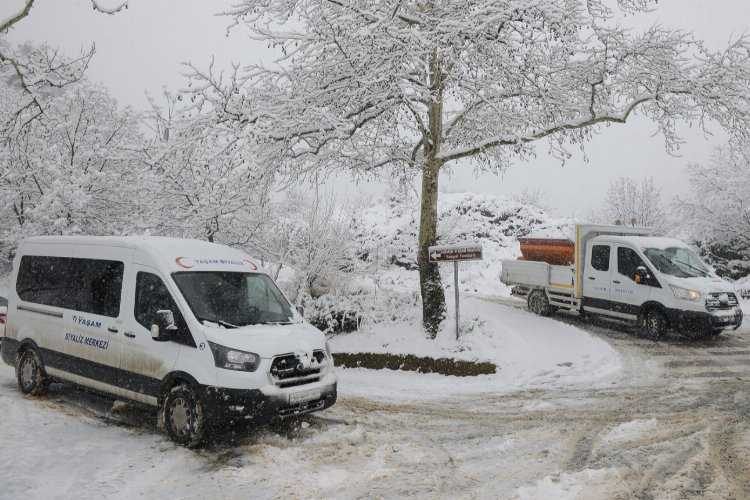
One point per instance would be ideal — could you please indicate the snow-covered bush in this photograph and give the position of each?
(717, 210)
(383, 285)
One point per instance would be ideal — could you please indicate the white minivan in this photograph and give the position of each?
(190, 327)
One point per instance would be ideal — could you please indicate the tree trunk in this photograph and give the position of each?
(431, 287)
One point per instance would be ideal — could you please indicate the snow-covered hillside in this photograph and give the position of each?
(382, 285)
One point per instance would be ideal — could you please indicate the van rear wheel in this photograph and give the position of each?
(184, 416)
(30, 373)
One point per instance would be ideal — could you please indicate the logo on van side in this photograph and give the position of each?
(189, 263)
(89, 341)
(185, 262)
(86, 322)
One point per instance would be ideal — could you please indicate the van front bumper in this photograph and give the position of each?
(699, 320)
(253, 405)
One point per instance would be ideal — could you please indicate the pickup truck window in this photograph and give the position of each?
(600, 257)
(628, 261)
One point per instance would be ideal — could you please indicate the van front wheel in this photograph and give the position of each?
(653, 324)
(30, 373)
(184, 417)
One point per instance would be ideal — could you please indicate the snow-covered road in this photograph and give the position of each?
(674, 423)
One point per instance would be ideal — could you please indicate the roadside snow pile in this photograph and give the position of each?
(530, 351)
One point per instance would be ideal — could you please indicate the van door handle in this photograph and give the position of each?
(112, 329)
(591, 278)
(615, 282)
(129, 335)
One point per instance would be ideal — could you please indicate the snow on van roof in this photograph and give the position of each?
(178, 254)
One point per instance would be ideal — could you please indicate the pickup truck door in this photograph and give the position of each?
(597, 275)
(626, 292)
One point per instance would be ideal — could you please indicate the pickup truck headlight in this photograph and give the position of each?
(233, 359)
(685, 293)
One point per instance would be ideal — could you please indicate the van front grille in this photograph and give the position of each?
(290, 370)
(719, 301)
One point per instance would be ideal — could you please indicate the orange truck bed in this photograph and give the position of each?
(558, 252)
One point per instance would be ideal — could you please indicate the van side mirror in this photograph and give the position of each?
(164, 326)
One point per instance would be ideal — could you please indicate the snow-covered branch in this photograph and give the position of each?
(114, 9)
(9, 22)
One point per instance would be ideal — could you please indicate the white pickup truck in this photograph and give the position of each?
(628, 274)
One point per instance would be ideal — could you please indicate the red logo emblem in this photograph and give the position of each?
(185, 262)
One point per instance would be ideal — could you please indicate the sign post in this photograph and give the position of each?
(455, 254)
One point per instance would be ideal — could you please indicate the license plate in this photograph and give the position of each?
(302, 396)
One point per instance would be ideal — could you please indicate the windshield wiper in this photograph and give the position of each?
(694, 268)
(219, 322)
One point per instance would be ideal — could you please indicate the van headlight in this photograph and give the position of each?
(685, 293)
(233, 359)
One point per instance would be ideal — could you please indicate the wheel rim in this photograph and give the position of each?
(536, 303)
(28, 372)
(653, 325)
(182, 417)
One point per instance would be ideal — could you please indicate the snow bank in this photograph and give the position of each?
(529, 350)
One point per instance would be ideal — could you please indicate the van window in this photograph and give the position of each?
(86, 285)
(152, 295)
(600, 257)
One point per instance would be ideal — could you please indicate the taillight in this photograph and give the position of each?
(2, 319)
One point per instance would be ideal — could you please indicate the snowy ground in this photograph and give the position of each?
(530, 352)
(673, 423)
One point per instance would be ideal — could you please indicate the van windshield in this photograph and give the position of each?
(680, 262)
(232, 300)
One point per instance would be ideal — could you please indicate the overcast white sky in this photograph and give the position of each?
(141, 49)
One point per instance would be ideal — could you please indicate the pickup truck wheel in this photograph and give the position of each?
(653, 324)
(538, 303)
(30, 373)
(184, 416)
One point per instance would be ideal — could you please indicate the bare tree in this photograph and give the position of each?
(634, 203)
(418, 85)
(75, 171)
(718, 206)
(202, 182)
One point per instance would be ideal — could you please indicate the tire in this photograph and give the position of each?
(30, 374)
(713, 333)
(184, 416)
(538, 303)
(653, 324)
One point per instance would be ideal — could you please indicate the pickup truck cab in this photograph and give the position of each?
(627, 274)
